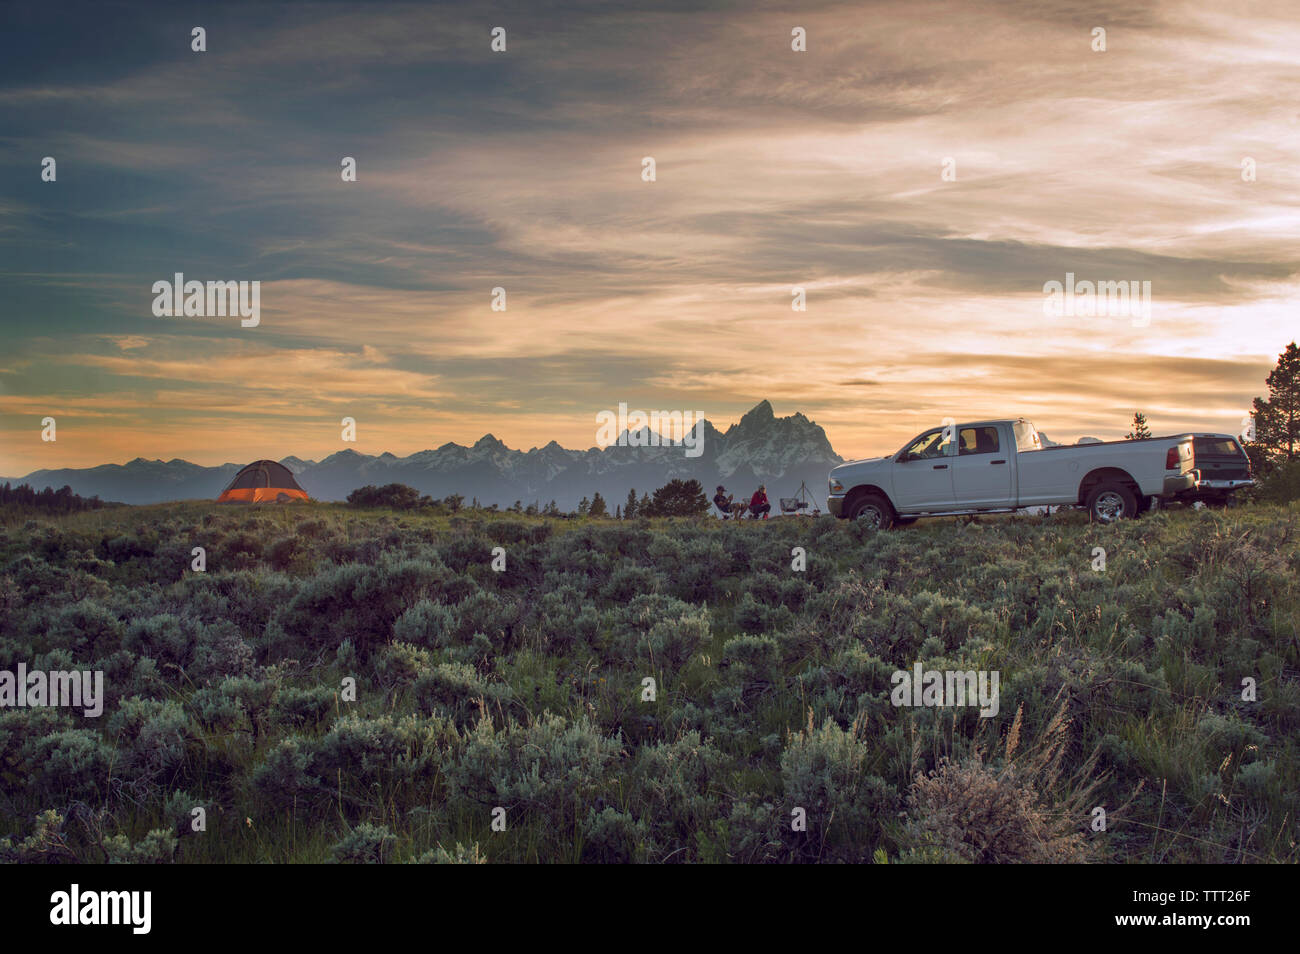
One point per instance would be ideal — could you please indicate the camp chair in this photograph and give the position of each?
(736, 511)
(801, 502)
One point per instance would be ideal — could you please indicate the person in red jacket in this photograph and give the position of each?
(758, 503)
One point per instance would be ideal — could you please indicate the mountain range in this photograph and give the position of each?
(759, 449)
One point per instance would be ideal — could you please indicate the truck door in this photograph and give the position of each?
(923, 473)
(981, 471)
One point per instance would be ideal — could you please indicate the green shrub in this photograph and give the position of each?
(158, 847)
(358, 754)
(47, 844)
(69, 765)
(302, 707)
(400, 664)
(365, 845)
(87, 625)
(355, 602)
(754, 617)
(427, 624)
(221, 652)
(676, 788)
(166, 638)
(612, 837)
(458, 855)
(550, 766)
(150, 738)
(457, 692)
(283, 777)
(825, 772)
(659, 628)
(628, 582)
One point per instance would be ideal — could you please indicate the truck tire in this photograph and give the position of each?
(873, 510)
(1111, 501)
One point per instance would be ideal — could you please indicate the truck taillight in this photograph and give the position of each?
(1172, 458)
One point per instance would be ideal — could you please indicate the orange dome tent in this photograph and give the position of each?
(263, 481)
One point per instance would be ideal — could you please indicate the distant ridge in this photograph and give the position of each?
(760, 448)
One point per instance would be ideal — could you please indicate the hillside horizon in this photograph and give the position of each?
(759, 448)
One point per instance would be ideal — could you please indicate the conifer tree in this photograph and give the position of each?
(1140, 430)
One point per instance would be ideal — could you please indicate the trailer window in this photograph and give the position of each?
(1212, 446)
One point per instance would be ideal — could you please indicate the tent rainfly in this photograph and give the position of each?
(263, 481)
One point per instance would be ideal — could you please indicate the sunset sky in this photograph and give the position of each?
(522, 169)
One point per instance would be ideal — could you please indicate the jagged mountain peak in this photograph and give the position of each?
(760, 448)
(760, 413)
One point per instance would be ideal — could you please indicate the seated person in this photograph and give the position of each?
(758, 503)
(722, 500)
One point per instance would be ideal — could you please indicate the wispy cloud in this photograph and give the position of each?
(522, 170)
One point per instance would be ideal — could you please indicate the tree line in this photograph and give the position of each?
(49, 500)
(677, 498)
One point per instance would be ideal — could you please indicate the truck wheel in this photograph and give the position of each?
(1111, 501)
(873, 510)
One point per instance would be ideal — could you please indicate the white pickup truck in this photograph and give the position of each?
(992, 466)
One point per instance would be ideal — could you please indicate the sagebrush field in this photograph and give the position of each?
(1121, 688)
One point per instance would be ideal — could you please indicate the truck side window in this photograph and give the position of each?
(978, 440)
